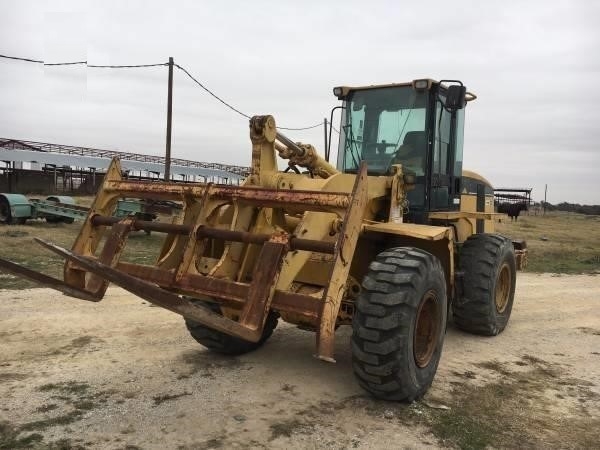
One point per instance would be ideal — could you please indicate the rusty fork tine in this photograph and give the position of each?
(47, 281)
(157, 295)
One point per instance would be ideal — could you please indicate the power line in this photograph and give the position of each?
(211, 92)
(22, 59)
(234, 108)
(75, 63)
(97, 66)
(320, 124)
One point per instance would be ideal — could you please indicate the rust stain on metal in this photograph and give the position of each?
(111, 251)
(340, 269)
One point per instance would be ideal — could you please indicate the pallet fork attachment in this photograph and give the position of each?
(171, 283)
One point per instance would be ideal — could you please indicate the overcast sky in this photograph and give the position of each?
(534, 65)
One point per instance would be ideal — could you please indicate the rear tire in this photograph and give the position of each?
(489, 275)
(399, 324)
(223, 343)
(5, 215)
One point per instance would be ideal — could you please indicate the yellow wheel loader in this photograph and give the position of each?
(391, 239)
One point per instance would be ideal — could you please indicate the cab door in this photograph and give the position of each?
(446, 166)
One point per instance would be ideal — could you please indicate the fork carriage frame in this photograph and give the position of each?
(235, 245)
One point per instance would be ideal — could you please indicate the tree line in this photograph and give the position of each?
(572, 207)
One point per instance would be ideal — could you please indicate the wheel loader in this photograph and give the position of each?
(391, 240)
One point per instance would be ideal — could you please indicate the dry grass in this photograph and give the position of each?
(17, 245)
(558, 242)
(514, 412)
(528, 403)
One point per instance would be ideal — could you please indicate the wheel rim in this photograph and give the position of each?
(503, 284)
(427, 329)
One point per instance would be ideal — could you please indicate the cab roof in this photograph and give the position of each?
(345, 90)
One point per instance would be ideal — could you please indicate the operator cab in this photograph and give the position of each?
(419, 125)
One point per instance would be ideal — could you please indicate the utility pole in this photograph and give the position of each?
(545, 196)
(325, 150)
(169, 117)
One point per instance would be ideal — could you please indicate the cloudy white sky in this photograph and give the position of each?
(534, 65)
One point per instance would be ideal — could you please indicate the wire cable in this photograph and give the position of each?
(211, 92)
(22, 59)
(99, 66)
(234, 108)
(96, 66)
(320, 124)
(75, 63)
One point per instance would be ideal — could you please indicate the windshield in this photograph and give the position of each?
(384, 126)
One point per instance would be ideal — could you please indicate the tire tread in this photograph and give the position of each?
(223, 343)
(381, 325)
(480, 258)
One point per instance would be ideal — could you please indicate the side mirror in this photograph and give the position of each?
(455, 97)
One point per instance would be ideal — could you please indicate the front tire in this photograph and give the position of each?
(226, 344)
(399, 324)
(489, 275)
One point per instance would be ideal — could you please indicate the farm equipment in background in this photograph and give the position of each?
(511, 201)
(390, 240)
(17, 209)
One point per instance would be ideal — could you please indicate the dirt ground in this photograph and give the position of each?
(123, 375)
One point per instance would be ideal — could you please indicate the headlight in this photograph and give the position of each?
(421, 84)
